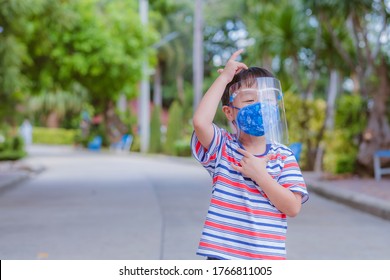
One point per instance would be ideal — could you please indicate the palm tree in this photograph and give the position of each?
(52, 107)
(282, 31)
(367, 22)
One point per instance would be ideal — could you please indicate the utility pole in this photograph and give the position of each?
(144, 97)
(198, 52)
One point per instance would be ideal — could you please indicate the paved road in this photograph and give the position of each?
(106, 206)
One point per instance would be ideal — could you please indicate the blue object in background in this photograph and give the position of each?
(378, 170)
(296, 148)
(124, 144)
(95, 144)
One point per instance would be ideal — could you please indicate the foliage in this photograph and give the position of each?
(63, 103)
(48, 46)
(136, 146)
(175, 127)
(113, 44)
(54, 136)
(300, 114)
(342, 143)
(11, 145)
(340, 156)
(12, 155)
(182, 148)
(155, 131)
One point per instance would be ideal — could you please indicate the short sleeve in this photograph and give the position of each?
(207, 157)
(291, 177)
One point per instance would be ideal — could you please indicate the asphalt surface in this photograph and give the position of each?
(61, 203)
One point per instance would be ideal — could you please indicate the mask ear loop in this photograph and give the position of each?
(234, 94)
(231, 98)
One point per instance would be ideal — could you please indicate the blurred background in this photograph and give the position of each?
(90, 73)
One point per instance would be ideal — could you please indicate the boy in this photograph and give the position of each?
(257, 182)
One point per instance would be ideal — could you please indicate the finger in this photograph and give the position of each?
(236, 167)
(242, 66)
(243, 152)
(220, 71)
(236, 54)
(267, 158)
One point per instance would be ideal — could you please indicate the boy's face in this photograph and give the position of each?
(248, 96)
(256, 108)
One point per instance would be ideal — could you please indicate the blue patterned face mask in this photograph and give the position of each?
(254, 119)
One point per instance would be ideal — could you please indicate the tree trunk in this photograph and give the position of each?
(329, 118)
(306, 138)
(52, 120)
(377, 133)
(115, 128)
(157, 97)
(180, 87)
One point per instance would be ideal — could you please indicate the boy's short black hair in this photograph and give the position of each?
(250, 73)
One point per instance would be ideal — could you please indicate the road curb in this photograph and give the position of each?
(11, 180)
(371, 205)
(15, 177)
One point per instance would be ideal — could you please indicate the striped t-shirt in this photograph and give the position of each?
(241, 222)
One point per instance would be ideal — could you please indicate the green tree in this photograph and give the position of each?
(286, 43)
(15, 29)
(173, 50)
(365, 51)
(52, 107)
(49, 46)
(175, 127)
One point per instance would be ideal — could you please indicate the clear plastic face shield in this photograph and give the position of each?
(259, 110)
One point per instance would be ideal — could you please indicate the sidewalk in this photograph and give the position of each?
(364, 194)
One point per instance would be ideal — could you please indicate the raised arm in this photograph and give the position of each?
(205, 113)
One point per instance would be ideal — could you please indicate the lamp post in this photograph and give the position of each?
(198, 52)
(144, 97)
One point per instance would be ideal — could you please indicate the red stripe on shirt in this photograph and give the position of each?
(277, 156)
(246, 209)
(245, 232)
(288, 185)
(197, 147)
(292, 164)
(220, 178)
(227, 156)
(241, 253)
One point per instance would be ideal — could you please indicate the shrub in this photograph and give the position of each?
(55, 136)
(340, 154)
(11, 147)
(12, 155)
(155, 131)
(182, 148)
(342, 143)
(175, 127)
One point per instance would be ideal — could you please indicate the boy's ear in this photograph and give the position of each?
(228, 112)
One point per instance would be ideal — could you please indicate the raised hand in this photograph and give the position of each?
(233, 66)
